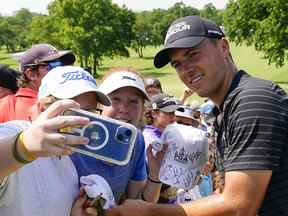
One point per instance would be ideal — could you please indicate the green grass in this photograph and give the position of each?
(245, 57)
(6, 58)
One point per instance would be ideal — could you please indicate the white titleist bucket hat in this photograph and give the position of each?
(66, 82)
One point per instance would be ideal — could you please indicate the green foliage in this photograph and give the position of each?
(93, 28)
(210, 12)
(44, 30)
(14, 30)
(262, 23)
(178, 10)
(142, 33)
(245, 57)
(151, 26)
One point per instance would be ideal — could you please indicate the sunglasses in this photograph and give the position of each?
(50, 65)
(54, 64)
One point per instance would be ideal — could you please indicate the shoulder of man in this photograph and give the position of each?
(7, 107)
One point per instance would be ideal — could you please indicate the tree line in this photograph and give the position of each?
(94, 29)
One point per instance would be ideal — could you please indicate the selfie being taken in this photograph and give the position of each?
(143, 108)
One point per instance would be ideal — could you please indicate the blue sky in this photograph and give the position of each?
(10, 6)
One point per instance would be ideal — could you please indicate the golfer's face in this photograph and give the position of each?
(201, 68)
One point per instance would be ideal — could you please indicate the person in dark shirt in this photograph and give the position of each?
(251, 132)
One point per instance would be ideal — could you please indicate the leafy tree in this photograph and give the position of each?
(162, 19)
(14, 30)
(8, 36)
(93, 28)
(43, 29)
(142, 32)
(179, 9)
(210, 12)
(262, 23)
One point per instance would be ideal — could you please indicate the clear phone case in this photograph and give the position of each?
(110, 140)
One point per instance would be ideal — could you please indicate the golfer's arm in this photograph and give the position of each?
(243, 194)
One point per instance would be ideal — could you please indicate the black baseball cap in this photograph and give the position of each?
(186, 32)
(41, 53)
(165, 103)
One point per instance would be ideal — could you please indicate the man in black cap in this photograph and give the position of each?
(34, 65)
(252, 133)
(162, 107)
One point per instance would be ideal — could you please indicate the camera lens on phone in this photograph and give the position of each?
(128, 133)
(120, 137)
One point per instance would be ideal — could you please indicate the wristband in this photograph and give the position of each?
(154, 181)
(28, 157)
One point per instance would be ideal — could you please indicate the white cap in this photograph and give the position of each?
(66, 82)
(96, 185)
(122, 79)
(186, 112)
(195, 105)
(187, 152)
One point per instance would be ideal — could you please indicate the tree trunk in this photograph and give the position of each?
(86, 61)
(81, 60)
(95, 64)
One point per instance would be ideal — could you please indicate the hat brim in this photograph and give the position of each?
(170, 108)
(66, 56)
(100, 96)
(162, 58)
(111, 88)
(182, 114)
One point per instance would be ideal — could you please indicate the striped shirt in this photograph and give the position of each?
(253, 135)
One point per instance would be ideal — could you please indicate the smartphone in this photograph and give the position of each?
(110, 140)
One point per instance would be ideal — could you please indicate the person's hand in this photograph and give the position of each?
(154, 161)
(130, 208)
(43, 137)
(187, 93)
(80, 207)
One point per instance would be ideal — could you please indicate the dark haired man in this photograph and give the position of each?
(252, 134)
(8, 81)
(34, 65)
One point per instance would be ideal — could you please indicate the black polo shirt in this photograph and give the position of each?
(253, 135)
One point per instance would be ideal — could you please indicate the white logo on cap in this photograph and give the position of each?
(129, 78)
(169, 99)
(178, 27)
(77, 75)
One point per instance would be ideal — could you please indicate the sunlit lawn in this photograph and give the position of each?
(245, 57)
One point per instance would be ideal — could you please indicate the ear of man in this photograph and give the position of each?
(31, 74)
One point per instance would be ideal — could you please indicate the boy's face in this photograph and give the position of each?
(163, 119)
(87, 101)
(153, 91)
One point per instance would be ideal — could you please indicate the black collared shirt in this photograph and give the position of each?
(253, 135)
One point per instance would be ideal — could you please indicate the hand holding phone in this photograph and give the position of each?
(110, 140)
